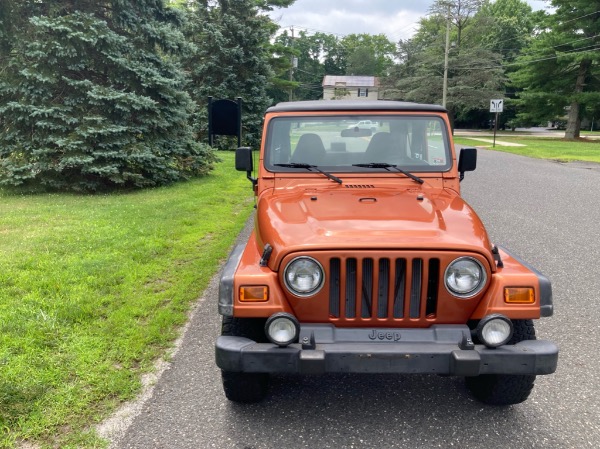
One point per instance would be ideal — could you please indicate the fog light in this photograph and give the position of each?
(282, 329)
(494, 330)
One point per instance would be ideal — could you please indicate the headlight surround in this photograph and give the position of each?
(465, 277)
(282, 329)
(494, 330)
(304, 276)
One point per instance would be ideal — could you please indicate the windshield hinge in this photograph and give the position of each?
(266, 255)
(497, 258)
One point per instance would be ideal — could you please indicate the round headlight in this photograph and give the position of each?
(304, 276)
(494, 330)
(465, 277)
(282, 329)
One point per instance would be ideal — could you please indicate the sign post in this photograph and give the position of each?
(496, 106)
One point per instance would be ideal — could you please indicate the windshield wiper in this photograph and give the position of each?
(387, 167)
(310, 167)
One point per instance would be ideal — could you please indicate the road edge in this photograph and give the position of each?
(114, 428)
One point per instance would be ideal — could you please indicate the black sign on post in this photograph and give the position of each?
(224, 119)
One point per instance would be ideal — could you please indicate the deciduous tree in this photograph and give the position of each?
(370, 55)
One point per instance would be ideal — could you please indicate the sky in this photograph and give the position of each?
(397, 19)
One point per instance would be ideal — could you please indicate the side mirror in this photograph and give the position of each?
(243, 159)
(467, 161)
(244, 162)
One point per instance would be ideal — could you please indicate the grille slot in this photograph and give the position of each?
(334, 288)
(399, 288)
(383, 288)
(367, 288)
(415, 289)
(351, 278)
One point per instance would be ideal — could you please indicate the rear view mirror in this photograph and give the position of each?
(356, 132)
(467, 161)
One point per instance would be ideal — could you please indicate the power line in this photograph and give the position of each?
(563, 45)
(587, 15)
(300, 27)
(549, 58)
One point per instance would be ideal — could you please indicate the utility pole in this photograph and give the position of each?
(445, 89)
(292, 68)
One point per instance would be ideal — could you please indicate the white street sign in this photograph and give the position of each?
(496, 105)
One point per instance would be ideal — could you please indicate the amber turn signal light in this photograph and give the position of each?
(254, 293)
(519, 295)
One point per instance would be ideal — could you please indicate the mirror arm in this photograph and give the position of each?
(254, 181)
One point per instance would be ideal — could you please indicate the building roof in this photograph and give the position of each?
(354, 105)
(350, 81)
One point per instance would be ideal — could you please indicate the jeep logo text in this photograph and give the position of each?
(389, 336)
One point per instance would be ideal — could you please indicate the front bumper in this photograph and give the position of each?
(440, 349)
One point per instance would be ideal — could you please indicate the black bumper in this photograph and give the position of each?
(445, 350)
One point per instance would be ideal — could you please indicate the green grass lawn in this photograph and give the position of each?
(93, 289)
(543, 148)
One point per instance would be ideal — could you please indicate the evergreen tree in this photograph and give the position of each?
(560, 71)
(232, 58)
(91, 97)
(281, 63)
(475, 73)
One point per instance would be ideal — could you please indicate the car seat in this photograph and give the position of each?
(309, 150)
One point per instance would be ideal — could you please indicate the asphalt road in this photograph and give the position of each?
(545, 212)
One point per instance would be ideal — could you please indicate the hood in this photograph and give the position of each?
(373, 219)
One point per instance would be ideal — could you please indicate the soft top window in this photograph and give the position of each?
(415, 143)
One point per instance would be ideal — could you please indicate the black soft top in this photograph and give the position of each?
(354, 105)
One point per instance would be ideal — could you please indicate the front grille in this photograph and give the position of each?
(383, 288)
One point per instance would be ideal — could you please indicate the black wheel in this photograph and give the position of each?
(500, 389)
(245, 387)
(522, 330)
(505, 389)
(240, 386)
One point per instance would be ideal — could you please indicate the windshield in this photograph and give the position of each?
(338, 144)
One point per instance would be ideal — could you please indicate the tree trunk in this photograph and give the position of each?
(574, 121)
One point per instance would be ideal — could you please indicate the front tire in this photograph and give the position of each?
(239, 386)
(500, 389)
(505, 389)
(247, 388)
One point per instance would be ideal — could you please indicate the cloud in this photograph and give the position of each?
(396, 19)
(354, 17)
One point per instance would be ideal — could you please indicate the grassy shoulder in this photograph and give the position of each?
(542, 148)
(94, 288)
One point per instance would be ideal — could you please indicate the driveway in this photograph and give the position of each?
(543, 211)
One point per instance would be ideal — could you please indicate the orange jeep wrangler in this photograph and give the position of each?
(365, 259)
